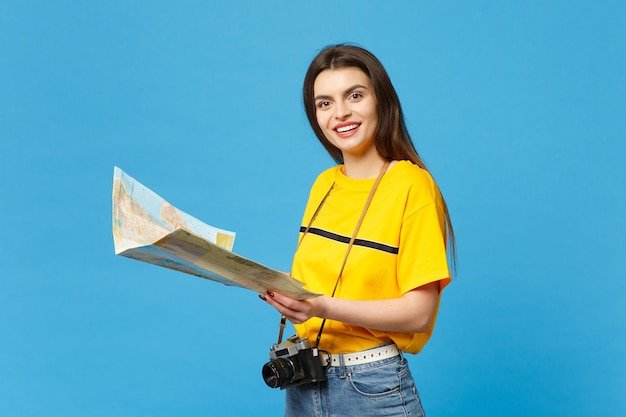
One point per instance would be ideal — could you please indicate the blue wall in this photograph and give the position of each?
(517, 107)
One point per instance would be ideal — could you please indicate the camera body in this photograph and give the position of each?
(293, 362)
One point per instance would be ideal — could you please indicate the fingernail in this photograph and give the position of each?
(262, 297)
(271, 294)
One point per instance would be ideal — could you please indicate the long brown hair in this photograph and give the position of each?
(392, 141)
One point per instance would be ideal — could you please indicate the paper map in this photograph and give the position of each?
(147, 228)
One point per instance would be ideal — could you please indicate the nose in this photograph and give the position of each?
(342, 110)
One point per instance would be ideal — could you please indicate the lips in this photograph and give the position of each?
(346, 129)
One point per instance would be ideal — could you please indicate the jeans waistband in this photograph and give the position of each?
(359, 358)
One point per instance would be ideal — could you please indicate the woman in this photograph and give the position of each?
(381, 288)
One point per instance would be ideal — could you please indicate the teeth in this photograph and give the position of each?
(347, 128)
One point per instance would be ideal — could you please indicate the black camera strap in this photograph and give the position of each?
(352, 239)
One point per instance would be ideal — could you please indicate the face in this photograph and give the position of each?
(345, 106)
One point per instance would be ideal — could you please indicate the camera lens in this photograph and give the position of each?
(278, 373)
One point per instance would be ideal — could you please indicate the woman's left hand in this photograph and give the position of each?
(296, 311)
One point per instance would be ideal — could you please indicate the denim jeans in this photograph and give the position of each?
(381, 388)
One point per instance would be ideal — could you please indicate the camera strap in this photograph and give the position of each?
(352, 239)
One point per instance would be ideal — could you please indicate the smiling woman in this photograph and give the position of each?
(373, 241)
(346, 113)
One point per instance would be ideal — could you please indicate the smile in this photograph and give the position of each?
(344, 129)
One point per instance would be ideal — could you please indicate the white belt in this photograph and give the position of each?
(359, 358)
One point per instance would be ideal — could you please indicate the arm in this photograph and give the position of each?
(410, 313)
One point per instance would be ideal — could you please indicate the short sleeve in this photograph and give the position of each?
(422, 253)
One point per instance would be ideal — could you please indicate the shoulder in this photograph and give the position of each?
(406, 173)
(326, 177)
(416, 183)
(322, 183)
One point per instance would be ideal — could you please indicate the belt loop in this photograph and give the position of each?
(342, 367)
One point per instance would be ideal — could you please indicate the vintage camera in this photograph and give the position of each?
(292, 363)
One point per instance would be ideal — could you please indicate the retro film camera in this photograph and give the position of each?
(292, 363)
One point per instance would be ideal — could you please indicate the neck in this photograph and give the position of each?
(364, 166)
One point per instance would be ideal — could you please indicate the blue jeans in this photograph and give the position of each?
(381, 388)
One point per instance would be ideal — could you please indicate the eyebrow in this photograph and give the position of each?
(348, 90)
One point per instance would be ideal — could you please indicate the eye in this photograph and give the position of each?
(356, 96)
(322, 104)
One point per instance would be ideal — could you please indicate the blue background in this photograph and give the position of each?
(517, 106)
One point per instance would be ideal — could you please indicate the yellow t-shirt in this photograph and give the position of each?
(400, 246)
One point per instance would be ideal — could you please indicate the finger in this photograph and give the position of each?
(291, 303)
(285, 310)
(282, 299)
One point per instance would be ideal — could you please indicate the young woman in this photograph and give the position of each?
(381, 288)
